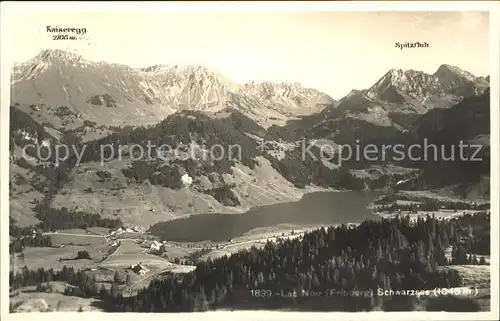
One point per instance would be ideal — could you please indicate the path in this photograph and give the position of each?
(272, 238)
(71, 234)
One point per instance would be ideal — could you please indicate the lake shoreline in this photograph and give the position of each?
(316, 208)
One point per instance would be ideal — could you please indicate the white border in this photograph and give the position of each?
(9, 10)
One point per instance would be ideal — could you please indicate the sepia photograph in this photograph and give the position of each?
(171, 159)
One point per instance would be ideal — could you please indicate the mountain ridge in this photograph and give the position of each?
(395, 100)
(147, 94)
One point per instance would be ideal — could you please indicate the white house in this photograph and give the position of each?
(155, 246)
(186, 180)
(402, 181)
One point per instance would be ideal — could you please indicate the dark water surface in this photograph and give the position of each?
(313, 208)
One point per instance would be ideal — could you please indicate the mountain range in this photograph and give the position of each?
(116, 94)
(393, 103)
(61, 97)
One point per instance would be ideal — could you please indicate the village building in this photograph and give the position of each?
(155, 246)
(139, 269)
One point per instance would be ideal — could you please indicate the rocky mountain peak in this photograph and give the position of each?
(398, 83)
(284, 90)
(460, 82)
(401, 86)
(196, 75)
(52, 54)
(44, 60)
(156, 68)
(446, 71)
(61, 57)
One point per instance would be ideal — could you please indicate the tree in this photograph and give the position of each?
(91, 288)
(119, 277)
(83, 255)
(459, 256)
(200, 301)
(114, 291)
(103, 292)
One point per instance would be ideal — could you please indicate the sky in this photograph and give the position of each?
(333, 52)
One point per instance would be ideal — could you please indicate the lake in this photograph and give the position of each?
(313, 208)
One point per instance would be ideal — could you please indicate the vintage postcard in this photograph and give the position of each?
(260, 161)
